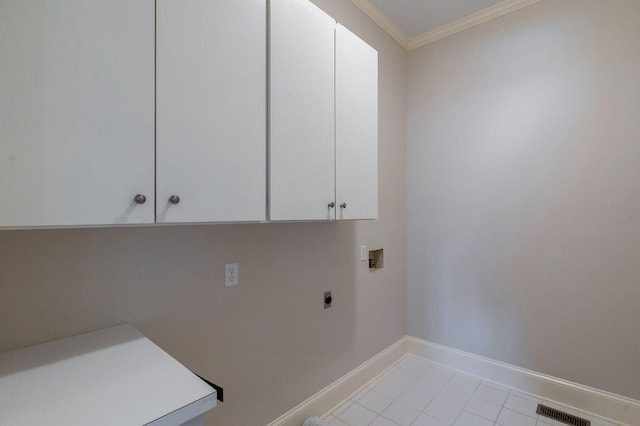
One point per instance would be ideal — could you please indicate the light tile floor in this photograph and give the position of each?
(420, 393)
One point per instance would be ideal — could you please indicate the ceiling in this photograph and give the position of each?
(414, 23)
(415, 17)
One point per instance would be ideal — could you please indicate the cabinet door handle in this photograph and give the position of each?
(343, 205)
(332, 205)
(140, 199)
(174, 199)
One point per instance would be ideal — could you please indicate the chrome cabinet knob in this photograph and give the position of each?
(332, 205)
(343, 205)
(140, 199)
(174, 199)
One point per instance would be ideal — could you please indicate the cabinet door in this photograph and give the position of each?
(302, 137)
(356, 127)
(211, 110)
(76, 112)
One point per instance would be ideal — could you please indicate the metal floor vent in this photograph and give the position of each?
(561, 416)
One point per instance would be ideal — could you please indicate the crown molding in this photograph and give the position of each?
(478, 18)
(383, 22)
(470, 21)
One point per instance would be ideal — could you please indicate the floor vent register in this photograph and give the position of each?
(561, 416)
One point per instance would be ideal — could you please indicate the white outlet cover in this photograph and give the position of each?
(364, 255)
(230, 274)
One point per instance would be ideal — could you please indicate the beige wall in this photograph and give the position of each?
(268, 342)
(524, 191)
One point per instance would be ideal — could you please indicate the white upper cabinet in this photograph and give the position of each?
(323, 117)
(133, 112)
(76, 112)
(356, 127)
(211, 110)
(302, 125)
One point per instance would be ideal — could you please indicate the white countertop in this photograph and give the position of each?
(114, 376)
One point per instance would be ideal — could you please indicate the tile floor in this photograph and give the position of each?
(420, 393)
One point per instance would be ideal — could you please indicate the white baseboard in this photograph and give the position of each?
(584, 398)
(343, 388)
(603, 404)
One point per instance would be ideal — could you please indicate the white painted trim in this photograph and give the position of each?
(584, 398)
(383, 22)
(412, 43)
(343, 388)
(478, 18)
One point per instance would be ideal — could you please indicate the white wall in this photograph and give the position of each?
(524, 191)
(268, 342)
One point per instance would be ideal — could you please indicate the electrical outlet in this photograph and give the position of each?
(230, 274)
(327, 299)
(364, 254)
